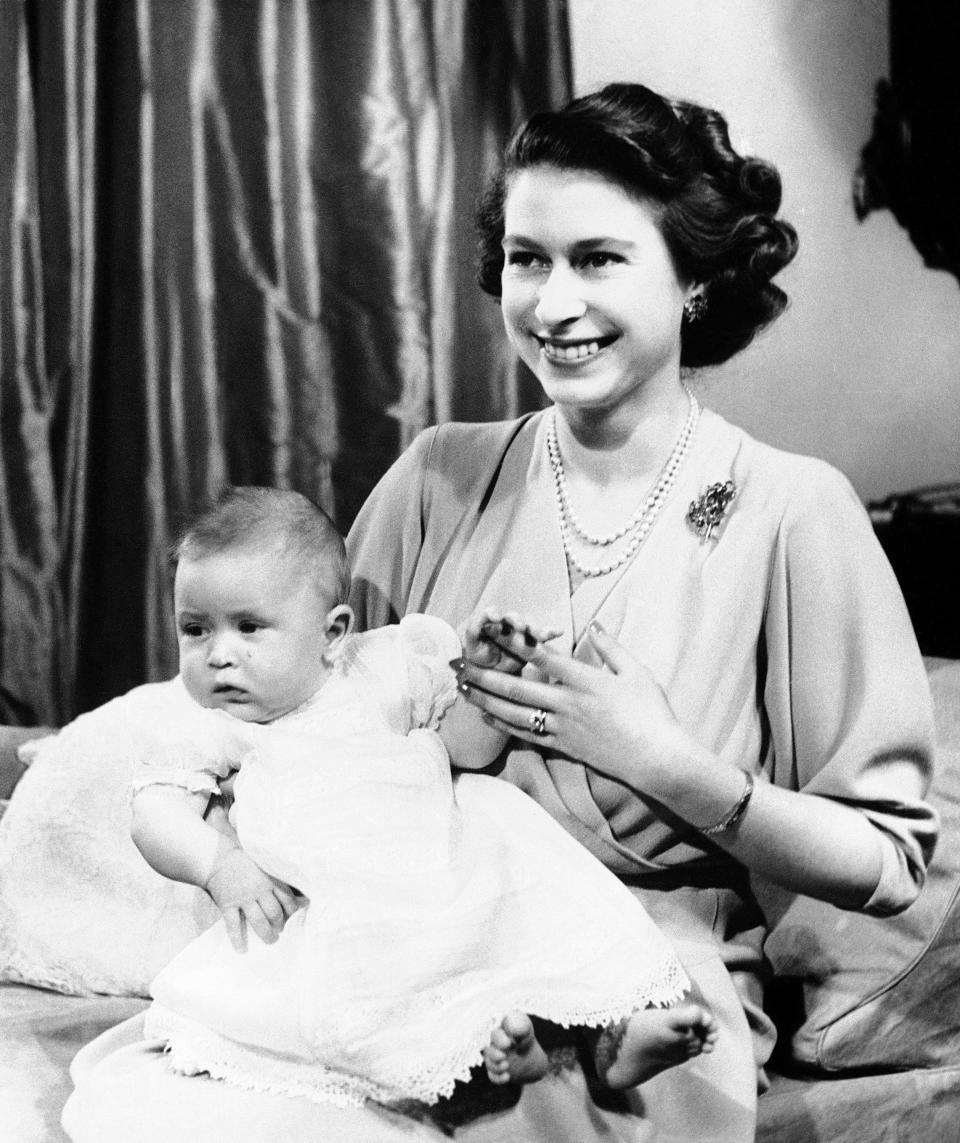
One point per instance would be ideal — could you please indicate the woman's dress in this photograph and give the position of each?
(432, 910)
(782, 642)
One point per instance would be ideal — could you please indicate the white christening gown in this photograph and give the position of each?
(434, 905)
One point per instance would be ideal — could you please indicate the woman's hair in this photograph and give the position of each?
(716, 209)
(245, 515)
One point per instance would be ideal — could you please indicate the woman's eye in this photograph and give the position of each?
(191, 630)
(600, 260)
(523, 260)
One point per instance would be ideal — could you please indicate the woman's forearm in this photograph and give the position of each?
(471, 743)
(802, 842)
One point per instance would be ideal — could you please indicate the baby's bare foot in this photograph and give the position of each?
(514, 1054)
(652, 1040)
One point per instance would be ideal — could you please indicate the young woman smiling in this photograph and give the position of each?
(737, 695)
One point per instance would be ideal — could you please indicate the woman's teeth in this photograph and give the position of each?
(575, 352)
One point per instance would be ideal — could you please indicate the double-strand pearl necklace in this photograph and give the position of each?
(636, 529)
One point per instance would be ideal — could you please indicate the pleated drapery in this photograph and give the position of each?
(237, 246)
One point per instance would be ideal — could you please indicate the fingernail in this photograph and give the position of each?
(595, 627)
(457, 665)
(463, 688)
(488, 718)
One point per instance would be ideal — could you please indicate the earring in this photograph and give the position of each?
(695, 307)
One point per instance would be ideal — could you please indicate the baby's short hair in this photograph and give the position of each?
(240, 515)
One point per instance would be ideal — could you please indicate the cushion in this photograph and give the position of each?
(81, 912)
(11, 768)
(882, 992)
(918, 1106)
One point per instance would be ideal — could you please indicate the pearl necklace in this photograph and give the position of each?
(636, 529)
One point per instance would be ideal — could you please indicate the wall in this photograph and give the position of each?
(864, 368)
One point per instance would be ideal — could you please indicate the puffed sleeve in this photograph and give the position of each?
(846, 692)
(175, 742)
(428, 644)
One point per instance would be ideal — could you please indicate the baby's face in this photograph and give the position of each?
(252, 632)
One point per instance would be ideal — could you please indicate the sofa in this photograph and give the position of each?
(868, 1009)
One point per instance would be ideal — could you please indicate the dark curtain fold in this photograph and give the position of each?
(237, 247)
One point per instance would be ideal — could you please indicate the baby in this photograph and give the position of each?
(431, 918)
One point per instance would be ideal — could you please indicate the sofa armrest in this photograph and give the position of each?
(11, 768)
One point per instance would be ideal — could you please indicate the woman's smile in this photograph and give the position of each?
(569, 351)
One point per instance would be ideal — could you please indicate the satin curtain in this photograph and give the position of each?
(236, 246)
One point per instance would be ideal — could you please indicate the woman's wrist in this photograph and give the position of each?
(701, 788)
(732, 818)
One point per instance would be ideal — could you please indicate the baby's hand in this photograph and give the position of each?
(502, 641)
(246, 895)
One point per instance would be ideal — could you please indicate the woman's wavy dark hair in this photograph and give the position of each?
(717, 209)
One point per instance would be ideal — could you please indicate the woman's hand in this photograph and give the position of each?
(614, 718)
(502, 641)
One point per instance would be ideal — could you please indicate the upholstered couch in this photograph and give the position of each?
(868, 1009)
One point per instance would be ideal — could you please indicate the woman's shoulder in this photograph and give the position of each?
(786, 483)
(463, 440)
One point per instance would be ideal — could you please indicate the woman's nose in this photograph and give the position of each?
(560, 299)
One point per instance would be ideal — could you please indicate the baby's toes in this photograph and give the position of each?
(517, 1027)
(497, 1066)
(501, 1040)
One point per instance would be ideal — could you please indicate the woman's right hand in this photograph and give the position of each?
(615, 717)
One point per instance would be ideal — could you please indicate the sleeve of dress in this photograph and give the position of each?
(386, 538)
(428, 644)
(846, 691)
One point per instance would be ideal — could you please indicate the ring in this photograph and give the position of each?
(538, 722)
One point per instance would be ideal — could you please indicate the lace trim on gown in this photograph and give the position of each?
(194, 1049)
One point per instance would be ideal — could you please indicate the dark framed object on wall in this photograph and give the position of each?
(909, 166)
(920, 533)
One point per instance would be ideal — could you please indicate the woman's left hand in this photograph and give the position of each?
(614, 718)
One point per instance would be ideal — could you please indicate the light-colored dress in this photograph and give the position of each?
(433, 908)
(782, 643)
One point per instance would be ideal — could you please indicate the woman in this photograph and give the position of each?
(738, 697)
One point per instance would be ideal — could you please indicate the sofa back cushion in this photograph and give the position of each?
(80, 910)
(883, 992)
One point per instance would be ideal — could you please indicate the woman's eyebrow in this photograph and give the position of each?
(605, 242)
(519, 240)
(600, 241)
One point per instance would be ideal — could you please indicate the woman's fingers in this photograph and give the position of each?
(612, 654)
(476, 683)
(512, 717)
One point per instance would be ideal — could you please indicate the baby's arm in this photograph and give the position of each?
(488, 640)
(169, 829)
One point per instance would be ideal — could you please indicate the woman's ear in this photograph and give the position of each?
(337, 625)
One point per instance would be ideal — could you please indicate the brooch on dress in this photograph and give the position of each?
(706, 512)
